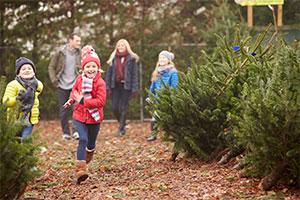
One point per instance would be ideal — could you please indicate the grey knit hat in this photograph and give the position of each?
(22, 61)
(169, 55)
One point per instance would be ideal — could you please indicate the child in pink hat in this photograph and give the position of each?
(89, 96)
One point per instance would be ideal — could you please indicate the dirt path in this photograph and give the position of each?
(132, 168)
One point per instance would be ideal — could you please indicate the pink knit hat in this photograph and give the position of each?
(88, 54)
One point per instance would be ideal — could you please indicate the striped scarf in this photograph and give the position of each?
(87, 87)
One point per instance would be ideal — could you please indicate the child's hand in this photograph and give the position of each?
(21, 95)
(148, 100)
(68, 103)
(78, 96)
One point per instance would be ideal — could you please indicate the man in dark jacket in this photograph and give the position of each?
(63, 69)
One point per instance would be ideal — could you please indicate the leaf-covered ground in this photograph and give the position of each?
(129, 167)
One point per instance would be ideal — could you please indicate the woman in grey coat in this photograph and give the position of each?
(122, 80)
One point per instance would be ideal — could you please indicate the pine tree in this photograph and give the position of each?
(269, 127)
(222, 18)
(17, 162)
(196, 115)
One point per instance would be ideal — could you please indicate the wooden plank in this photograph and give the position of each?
(250, 16)
(259, 2)
(279, 15)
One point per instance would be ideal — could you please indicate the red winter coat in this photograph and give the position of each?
(98, 99)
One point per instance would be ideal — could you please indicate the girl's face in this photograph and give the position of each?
(121, 47)
(90, 69)
(26, 72)
(162, 60)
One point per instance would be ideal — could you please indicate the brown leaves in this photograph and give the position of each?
(129, 167)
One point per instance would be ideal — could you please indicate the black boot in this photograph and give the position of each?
(121, 133)
(151, 138)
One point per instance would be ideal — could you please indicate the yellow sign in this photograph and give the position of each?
(259, 2)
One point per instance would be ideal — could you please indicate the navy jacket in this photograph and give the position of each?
(130, 75)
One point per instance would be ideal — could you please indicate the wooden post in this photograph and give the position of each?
(140, 65)
(279, 15)
(250, 16)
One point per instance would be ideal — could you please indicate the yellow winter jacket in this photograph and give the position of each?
(10, 94)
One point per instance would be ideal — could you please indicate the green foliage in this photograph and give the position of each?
(147, 25)
(37, 28)
(224, 20)
(48, 99)
(195, 116)
(3, 84)
(269, 126)
(17, 162)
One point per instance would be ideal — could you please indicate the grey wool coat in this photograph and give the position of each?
(130, 75)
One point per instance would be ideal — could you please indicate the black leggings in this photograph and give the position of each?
(120, 100)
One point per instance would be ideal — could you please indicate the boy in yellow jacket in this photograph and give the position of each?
(25, 89)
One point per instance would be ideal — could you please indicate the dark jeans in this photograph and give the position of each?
(64, 114)
(120, 100)
(87, 138)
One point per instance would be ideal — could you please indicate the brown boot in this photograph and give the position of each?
(81, 171)
(89, 155)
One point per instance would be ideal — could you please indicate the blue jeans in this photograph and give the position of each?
(26, 131)
(87, 137)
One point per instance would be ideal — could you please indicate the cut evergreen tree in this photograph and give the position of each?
(196, 115)
(269, 126)
(17, 162)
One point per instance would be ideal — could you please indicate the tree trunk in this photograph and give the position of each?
(234, 152)
(2, 9)
(22, 191)
(270, 180)
(217, 154)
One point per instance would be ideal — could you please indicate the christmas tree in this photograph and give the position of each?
(197, 115)
(17, 162)
(269, 126)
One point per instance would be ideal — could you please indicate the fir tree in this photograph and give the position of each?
(17, 162)
(196, 115)
(221, 19)
(269, 126)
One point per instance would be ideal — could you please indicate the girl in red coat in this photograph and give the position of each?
(89, 96)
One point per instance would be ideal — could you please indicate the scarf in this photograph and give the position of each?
(32, 83)
(29, 95)
(87, 87)
(163, 69)
(30, 86)
(120, 65)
